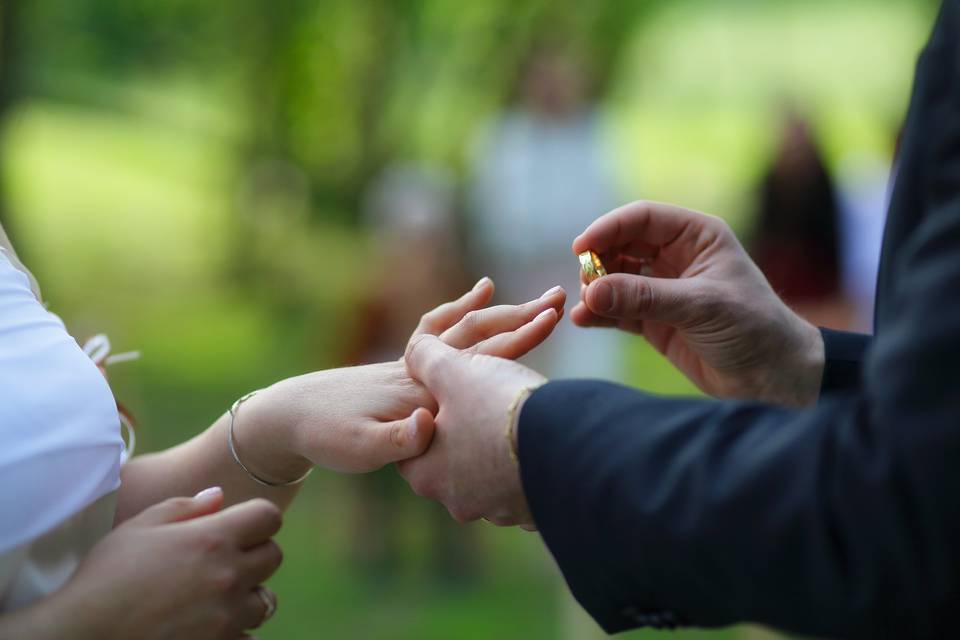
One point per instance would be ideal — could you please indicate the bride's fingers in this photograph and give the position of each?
(401, 439)
(481, 324)
(515, 344)
(448, 314)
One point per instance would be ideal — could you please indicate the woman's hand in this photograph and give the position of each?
(358, 419)
(179, 569)
(683, 281)
(505, 331)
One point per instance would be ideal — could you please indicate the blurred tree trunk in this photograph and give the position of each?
(10, 60)
(377, 76)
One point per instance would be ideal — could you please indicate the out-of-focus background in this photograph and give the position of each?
(251, 189)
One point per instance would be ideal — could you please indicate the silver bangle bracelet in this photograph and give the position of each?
(233, 450)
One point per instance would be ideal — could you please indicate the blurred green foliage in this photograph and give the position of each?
(186, 176)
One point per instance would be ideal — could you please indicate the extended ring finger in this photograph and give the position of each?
(481, 324)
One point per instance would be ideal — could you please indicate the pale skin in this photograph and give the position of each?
(677, 277)
(181, 567)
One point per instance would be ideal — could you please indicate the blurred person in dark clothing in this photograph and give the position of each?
(797, 239)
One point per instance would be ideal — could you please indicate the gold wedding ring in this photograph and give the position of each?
(591, 266)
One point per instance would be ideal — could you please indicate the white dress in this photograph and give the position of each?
(60, 446)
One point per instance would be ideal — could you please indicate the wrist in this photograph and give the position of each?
(266, 436)
(57, 617)
(799, 382)
(513, 418)
(812, 363)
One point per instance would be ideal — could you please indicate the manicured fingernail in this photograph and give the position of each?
(414, 427)
(556, 289)
(208, 494)
(482, 282)
(604, 297)
(545, 313)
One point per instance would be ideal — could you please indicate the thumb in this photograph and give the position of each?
(671, 301)
(179, 509)
(431, 361)
(401, 439)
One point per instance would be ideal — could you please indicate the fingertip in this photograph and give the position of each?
(482, 282)
(209, 494)
(580, 314)
(421, 429)
(410, 437)
(209, 500)
(561, 295)
(547, 315)
(552, 292)
(600, 297)
(579, 245)
(483, 290)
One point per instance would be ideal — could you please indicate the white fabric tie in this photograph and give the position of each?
(98, 350)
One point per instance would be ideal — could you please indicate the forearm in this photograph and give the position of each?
(701, 508)
(265, 442)
(52, 618)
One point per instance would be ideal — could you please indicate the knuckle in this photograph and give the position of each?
(640, 295)
(270, 513)
(719, 223)
(179, 504)
(211, 542)
(396, 434)
(425, 325)
(460, 514)
(425, 487)
(415, 346)
(718, 226)
(221, 623)
(430, 320)
(473, 320)
(708, 306)
(224, 580)
(276, 555)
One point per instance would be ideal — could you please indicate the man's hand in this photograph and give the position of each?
(469, 467)
(683, 281)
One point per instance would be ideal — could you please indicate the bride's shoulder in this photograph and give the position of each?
(47, 384)
(60, 438)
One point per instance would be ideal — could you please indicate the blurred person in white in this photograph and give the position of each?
(86, 556)
(541, 172)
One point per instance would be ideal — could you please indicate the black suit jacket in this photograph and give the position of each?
(840, 520)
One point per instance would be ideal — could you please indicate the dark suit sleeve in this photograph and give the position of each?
(844, 354)
(840, 520)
